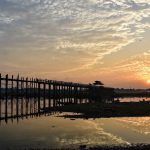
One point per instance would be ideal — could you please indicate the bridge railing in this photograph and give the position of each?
(33, 87)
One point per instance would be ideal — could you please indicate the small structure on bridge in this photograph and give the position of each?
(101, 93)
(98, 83)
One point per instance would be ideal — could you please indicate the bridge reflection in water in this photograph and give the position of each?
(21, 108)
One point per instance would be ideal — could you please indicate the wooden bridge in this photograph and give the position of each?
(21, 96)
(30, 87)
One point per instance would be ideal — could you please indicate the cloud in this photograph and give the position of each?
(138, 65)
(73, 30)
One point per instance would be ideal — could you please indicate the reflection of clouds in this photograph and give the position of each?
(93, 135)
(64, 28)
(40, 139)
(114, 138)
(138, 124)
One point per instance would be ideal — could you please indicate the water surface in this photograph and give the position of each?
(40, 130)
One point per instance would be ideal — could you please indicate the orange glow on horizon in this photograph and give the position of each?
(148, 81)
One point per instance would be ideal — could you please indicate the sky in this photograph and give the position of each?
(77, 40)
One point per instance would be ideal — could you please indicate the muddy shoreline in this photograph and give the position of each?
(99, 110)
(113, 147)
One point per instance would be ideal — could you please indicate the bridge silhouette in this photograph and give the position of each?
(22, 97)
(33, 87)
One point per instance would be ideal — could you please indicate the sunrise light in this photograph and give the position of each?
(148, 81)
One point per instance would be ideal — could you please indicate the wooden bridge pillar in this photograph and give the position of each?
(54, 94)
(6, 95)
(59, 96)
(34, 88)
(67, 93)
(39, 95)
(30, 84)
(75, 94)
(17, 91)
(26, 87)
(12, 91)
(44, 88)
(22, 86)
(0, 95)
(49, 93)
(63, 93)
(0, 87)
(79, 94)
(26, 94)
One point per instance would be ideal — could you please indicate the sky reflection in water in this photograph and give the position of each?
(56, 132)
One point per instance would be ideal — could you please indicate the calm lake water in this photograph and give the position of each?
(54, 131)
(134, 99)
